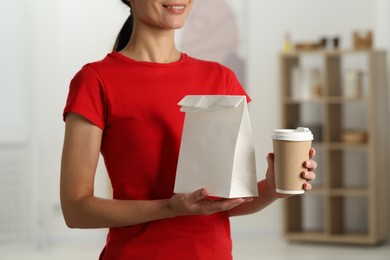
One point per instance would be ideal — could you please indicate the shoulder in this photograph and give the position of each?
(210, 66)
(95, 70)
(218, 74)
(91, 76)
(202, 62)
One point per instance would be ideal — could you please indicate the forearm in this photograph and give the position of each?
(267, 195)
(93, 212)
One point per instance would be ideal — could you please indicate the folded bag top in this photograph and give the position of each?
(209, 102)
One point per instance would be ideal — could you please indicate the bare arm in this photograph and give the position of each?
(81, 209)
(266, 188)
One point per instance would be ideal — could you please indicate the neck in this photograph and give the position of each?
(152, 46)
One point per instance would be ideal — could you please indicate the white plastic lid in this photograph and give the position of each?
(299, 134)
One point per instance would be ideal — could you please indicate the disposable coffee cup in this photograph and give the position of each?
(291, 149)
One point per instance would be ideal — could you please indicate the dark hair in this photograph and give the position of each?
(125, 33)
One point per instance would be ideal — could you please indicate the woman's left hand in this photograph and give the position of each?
(267, 189)
(308, 174)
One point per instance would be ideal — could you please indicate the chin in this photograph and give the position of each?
(178, 27)
(174, 26)
(179, 23)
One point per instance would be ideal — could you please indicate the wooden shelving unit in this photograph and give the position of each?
(349, 201)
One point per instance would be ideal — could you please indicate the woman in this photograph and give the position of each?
(125, 106)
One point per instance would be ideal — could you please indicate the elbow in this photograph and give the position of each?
(70, 223)
(71, 214)
(70, 218)
(77, 213)
(74, 211)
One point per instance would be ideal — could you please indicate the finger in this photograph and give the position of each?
(198, 195)
(312, 152)
(270, 159)
(227, 204)
(310, 164)
(307, 186)
(309, 175)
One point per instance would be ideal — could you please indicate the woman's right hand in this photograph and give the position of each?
(198, 203)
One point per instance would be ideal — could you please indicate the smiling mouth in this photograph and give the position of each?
(174, 7)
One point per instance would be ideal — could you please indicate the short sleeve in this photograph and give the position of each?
(234, 86)
(86, 97)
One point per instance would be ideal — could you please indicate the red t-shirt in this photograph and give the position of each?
(135, 104)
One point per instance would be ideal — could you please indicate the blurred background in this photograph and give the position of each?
(43, 43)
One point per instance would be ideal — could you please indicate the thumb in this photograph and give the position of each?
(312, 152)
(198, 195)
(270, 160)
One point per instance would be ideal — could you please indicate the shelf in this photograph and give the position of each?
(321, 237)
(349, 200)
(318, 191)
(324, 100)
(342, 100)
(329, 53)
(293, 101)
(339, 192)
(347, 146)
(340, 146)
(349, 192)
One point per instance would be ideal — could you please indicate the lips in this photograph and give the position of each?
(175, 8)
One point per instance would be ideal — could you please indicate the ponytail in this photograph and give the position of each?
(125, 33)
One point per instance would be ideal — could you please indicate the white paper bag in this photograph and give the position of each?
(217, 150)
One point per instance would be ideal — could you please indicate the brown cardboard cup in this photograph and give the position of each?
(291, 150)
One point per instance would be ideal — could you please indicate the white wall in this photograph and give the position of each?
(382, 24)
(63, 35)
(12, 73)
